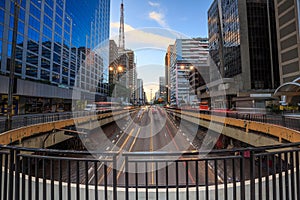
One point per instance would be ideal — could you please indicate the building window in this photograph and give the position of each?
(31, 71)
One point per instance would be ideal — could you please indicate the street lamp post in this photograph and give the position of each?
(11, 83)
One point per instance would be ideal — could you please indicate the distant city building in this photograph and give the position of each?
(47, 62)
(199, 75)
(168, 62)
(288, 33)
(162, 86)
(129, 74)
(132, 74)
(113, 63)
(243, 48)
(140, 92)
(187, 57)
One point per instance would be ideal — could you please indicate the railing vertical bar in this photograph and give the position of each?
(167, 181)
(260, 177)
(77, 181)
(105, 181)
(23, 178)
(5, 176)
(87, 179)
(177, 181)
(136, 181)
(60, 179)
(252, 175)
(206, 180)
(286, 174)
(242, 176)
(216, 179)
(156, 179)
(280, 177)
(292, 174)
(36, 165)
(274, 177)
(52, 179)
(197, 179)
(11, 174)
(287, 194)
(17, 175)
(234, 178)
(115, 176)
(267, 177)
(69, 179)
(225, 180)
(297, 175)
(126, 178)
(187, 179)
(146, 180)
(96, 178)
(1, 178)
(29, 179)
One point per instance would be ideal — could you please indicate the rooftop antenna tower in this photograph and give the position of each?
(121, 30)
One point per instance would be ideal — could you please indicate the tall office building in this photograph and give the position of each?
(113, 65)
(243, 47)
(199, 75)
(162, 86)
(132, 74)
(140, 92)
(48, 64)
(187, 56)
(288, 33)
(168, 61)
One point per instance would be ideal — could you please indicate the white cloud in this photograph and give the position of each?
(116, 25)
(139, 38)
(153, 4)
(159, 18)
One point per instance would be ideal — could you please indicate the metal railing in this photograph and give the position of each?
(19, 121)
(278, 119)
(283, 119)
(26, 120)
(271, 172)
(56, 174)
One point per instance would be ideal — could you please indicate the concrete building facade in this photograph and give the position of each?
(288, 34)
(243, 49)
(186, 57)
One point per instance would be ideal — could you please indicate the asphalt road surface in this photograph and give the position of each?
(150, 130)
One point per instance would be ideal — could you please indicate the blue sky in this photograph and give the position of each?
(150, 26)
(187, 18)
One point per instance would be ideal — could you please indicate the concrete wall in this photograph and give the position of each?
(49, 138)
(253, 139)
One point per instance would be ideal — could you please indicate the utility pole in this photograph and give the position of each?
(11, 84)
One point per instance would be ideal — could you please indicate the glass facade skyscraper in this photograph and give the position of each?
(45, 52)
